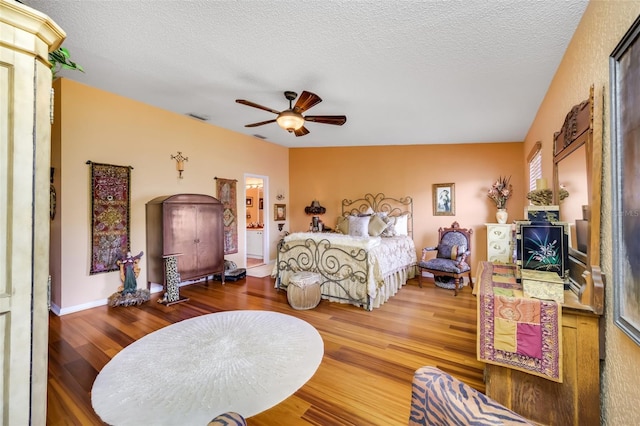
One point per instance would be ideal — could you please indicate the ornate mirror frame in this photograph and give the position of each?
(585, 275)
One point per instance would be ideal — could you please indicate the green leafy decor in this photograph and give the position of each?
(61, 59)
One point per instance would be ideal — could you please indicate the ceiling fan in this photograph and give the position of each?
(292, 119)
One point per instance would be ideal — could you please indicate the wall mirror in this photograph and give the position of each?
(577, 160)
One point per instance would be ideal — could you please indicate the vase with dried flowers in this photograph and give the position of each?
(500, 192)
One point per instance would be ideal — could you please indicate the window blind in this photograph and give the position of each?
(535, 165)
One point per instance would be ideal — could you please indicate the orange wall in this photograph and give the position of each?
(105, 128)
(332, 174)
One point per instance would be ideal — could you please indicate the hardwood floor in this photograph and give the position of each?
(365, 375)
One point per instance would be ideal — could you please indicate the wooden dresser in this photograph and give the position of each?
(189, 225)
(576, 401)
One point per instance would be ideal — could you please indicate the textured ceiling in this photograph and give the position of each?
(403, 72)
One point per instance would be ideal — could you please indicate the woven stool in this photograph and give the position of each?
(303, 291)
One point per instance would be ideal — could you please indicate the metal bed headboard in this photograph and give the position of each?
(381, 203)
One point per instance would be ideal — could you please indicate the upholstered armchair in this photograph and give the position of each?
(452, 261)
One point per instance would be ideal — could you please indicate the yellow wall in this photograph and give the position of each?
(586, 62)
(102, 127)
(332, 174)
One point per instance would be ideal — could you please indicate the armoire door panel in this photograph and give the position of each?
(189, 225)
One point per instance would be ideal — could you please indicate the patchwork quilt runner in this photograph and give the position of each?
(515, 331)
(110, 199)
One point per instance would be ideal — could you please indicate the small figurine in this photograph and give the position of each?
(129, 271)
(128, 294)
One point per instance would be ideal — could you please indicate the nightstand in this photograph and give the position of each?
(499, 242)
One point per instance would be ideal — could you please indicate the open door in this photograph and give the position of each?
(256, 213)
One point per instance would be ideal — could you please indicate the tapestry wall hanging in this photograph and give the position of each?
(226, 190)
(110, 199)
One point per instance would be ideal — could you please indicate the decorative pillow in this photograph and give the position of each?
(454, 252)
(359, 226)
(390, 230)
(342, 225)
(402, 225)
(376, 225)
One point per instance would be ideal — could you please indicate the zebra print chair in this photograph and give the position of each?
(228, 419)
(438, 399)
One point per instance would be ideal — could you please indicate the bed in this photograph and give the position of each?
(360, 265)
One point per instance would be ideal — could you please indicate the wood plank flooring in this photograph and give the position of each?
(365, 375)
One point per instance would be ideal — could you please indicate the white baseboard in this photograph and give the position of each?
(77, 308)
(155, 288)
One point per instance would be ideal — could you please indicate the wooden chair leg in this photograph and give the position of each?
(420, 277)
(456, 282)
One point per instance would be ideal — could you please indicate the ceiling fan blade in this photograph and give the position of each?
(337, 120)
(301, 131)
(306, 101)
(252, 104)
(260, 123)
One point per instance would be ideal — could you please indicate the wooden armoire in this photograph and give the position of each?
(26, 38)
(189, 225)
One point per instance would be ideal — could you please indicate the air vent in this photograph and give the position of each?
(259, 136)
(200, 117)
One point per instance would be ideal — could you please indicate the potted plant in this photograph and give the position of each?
(61, 59)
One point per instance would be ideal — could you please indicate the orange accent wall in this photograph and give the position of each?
(332, 174)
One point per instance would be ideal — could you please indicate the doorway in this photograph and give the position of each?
(256, 214)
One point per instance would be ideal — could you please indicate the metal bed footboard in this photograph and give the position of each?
(328, 261)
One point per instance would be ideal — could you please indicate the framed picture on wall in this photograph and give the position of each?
(444, 202)
(624, 70)
(280, 212)
(261, 203)
(249, 201)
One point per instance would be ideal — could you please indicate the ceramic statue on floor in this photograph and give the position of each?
(128, 294)
(129, 271)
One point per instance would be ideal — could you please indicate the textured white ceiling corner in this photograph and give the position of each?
(403, 72)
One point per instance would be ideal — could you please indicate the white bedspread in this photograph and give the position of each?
(390, 261)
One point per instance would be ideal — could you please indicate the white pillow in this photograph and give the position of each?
(402, 225)
(359, 226)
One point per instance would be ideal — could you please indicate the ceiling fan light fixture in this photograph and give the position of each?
(290, 121)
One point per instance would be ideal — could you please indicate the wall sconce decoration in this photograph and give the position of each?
(280, 195)
(280, 227)
(315, 209)
(180, 159)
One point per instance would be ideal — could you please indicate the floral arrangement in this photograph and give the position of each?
(501, 191)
